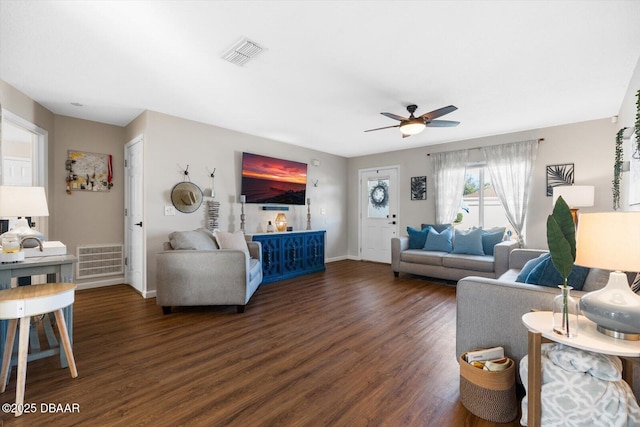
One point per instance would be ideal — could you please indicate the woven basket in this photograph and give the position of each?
(489, 395)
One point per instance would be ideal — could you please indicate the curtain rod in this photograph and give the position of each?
(477, 148)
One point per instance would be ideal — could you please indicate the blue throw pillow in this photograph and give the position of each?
(529, 265)
(439, 241)
(417, 238)
(546, 274)
(490, 238)
(438, 227)
(468, 242)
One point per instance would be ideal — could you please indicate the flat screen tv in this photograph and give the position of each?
(270, 180)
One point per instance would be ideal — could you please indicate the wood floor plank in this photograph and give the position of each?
(352, 346)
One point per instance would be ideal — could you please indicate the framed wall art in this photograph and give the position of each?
(634, 173)
(88, 171)
(418, 188)
(561, 174)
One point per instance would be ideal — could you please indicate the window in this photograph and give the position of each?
(23, 156)
(480, 204)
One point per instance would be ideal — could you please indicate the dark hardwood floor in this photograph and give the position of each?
(349, 347)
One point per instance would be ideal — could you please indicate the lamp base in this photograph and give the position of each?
(10, 257)
(614, 308)
(628, 336)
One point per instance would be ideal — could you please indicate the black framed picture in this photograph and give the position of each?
(418, 188)
(561, 174)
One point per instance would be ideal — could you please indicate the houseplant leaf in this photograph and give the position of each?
(560, 248)
(562, 215)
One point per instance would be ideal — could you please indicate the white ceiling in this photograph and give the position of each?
(330, 67)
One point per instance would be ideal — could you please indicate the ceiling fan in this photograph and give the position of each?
(413, 125)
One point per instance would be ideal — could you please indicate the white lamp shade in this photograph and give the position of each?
(576, 196)
(18, 201)
(609, 240)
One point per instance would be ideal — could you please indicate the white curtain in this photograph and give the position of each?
(511, 169)
(449, 177)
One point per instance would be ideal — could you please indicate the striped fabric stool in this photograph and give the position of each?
(22, 303)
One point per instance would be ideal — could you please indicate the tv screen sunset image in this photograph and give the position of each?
(270, 180)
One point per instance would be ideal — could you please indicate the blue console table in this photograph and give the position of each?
(291, 254)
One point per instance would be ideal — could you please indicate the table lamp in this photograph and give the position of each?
(611, 241)
(16, 201)
(576, 196)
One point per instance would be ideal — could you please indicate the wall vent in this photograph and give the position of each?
(241, 52)
(99, 260)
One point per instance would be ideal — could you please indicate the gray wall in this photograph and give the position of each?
(589, 145)
(172, 143)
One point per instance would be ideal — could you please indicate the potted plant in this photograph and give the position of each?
(561, 238)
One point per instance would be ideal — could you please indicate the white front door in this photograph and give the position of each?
(134, 214)
(378, 213)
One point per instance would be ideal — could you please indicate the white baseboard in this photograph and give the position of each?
(100, 283)
(354, 258)
(334, 259)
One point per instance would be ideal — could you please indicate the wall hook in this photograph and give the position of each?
(315, 183)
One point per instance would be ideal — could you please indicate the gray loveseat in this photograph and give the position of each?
(448, 266)
(489, 311)
(194, 271)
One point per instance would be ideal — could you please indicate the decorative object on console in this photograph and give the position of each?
(418, 188)
(561, 238)
(186, 196)
(16, 201)
(611, 241)
(561, 174)
(281, 222)
(243, 200)
(576, 196)
(269, 227)
(308, 214)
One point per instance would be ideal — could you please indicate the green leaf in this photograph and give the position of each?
(562, 215)
(560, 248)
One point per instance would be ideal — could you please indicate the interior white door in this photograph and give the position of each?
(378, 213)
(134, 214)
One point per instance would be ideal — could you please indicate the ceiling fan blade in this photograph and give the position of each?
(386, 127)
(439, 112)
(441, 123)
(394, 116)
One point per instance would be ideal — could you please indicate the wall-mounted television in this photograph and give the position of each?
(270, 180)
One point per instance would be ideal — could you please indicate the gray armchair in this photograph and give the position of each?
(211, 276)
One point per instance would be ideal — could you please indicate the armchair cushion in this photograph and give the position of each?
(200, 239)
(231, 240)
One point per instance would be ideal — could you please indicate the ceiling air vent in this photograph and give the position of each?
(242, 52)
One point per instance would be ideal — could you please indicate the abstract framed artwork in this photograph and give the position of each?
(418, 188)
(561, 174)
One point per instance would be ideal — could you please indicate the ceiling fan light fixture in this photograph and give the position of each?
(412, 127)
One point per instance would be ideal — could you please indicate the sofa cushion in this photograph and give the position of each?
(546, 274)
(417, 238)
(200, 239)
(529, 265)
(439, 241)
(468, 242)
(483, 263)
(490, 238)
(419, 256)
(228, 240)
(254, 268)
(438, 227)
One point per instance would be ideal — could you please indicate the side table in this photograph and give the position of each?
(539, 324)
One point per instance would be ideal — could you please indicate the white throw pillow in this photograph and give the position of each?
(227, 240)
